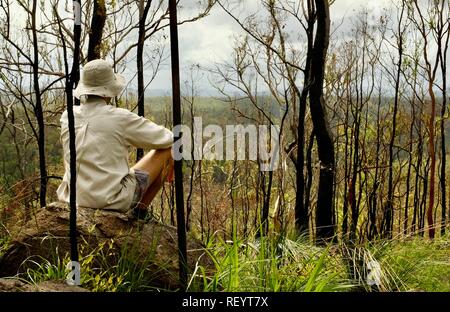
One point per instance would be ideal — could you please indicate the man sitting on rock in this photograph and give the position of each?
(104, 134)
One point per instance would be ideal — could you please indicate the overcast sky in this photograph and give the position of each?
(210, 40)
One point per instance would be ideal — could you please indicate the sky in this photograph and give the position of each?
(210, 40)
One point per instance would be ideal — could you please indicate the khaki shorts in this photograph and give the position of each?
(142, 184)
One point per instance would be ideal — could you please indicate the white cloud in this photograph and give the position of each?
(208, 40)
(342, 8)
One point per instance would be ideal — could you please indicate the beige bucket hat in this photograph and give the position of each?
(98, 78)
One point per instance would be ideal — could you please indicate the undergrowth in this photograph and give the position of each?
(271, 264)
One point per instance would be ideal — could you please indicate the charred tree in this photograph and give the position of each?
(301, 209)
(325, 229)
(96, 30)
(143, 12)
(38, 110)
(389, 208)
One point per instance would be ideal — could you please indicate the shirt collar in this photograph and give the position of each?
(92, 101)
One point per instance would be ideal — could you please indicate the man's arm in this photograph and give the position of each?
(143, 133)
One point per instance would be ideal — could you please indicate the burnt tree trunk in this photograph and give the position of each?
(143, 12)
(443, 44)
(38, 111)
(325, 229)
(301, 209)
(389, 209)
(96, 30)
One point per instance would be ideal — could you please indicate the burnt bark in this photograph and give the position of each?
(389, 208)
(143, 12)
(96, 30)
(325, 229)
(38, 111)
(301, 209)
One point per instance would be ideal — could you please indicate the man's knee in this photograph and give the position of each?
(164, 154)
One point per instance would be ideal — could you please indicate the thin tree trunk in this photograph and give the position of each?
(443, 160)
(192, 166)
(408, 175)
(422, 24)
(443, 60)
(417, 185)
(38, 111)
(143, 12)
(432, 151)
(388, 219)
(373, 202)
(309, 174)
(202, 206)
(266, 204)
(423, 203)
(347, 170)
(178, 166)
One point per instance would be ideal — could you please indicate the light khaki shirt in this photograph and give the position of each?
(104, 135)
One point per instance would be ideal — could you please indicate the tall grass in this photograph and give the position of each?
(411, 264)
(418, 264)
(266, 264)
(269, 264)
(103, 268)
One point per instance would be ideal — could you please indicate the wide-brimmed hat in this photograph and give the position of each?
(98, 78)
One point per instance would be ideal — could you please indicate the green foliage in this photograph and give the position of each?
(102, 268)
(268, 264)
(408, 265)
(419, 265)
(4, 242)
(44, 270)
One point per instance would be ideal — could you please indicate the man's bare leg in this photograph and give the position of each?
(151, 192)
(158, 164)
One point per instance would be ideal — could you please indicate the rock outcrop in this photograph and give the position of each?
(146, 243)
(16, 285)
